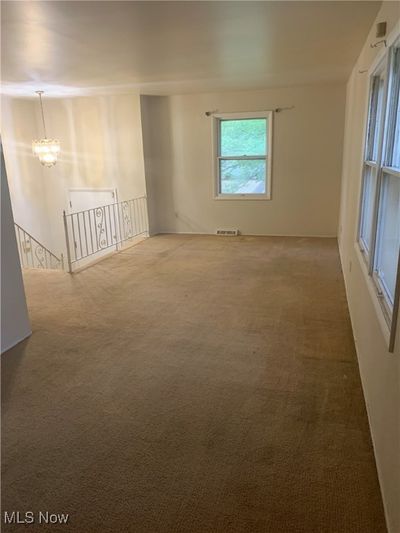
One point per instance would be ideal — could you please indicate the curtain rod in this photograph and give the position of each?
(276, 109)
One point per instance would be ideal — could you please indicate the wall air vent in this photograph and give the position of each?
(228, 232)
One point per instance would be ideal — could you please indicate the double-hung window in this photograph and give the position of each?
(379, 227)
(371, 158)
(243, 155)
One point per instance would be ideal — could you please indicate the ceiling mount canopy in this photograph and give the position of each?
(45, 149)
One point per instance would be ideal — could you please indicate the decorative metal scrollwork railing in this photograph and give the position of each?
(34, 254)
(94, 232)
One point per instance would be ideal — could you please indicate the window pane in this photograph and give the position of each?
(375, 112)
(395, 159)
(243, 137)
(393, 145)
(242, 176)
(367, 206)
(388, 239)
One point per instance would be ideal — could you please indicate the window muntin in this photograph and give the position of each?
(243, 165)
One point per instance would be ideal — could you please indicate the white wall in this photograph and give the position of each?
(380, 370)
(14, 315)
(101, 142)
(101, 147)
(157, 157)
(27, 179)
(307, 152)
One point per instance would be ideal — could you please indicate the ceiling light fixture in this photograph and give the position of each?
(45, 149)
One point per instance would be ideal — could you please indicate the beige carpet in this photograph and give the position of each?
(191, 384)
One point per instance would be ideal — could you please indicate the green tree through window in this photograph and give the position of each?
(243, 149)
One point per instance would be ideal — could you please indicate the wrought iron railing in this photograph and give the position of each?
(93, 232)
(34, 254)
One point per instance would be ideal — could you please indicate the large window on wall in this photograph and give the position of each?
(379, 226)
(242, 145)
(371, 167)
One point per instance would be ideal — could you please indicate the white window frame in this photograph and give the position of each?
(383, 64)
(374, 165)
(217, 118)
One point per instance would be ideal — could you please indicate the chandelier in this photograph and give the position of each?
(45, 149)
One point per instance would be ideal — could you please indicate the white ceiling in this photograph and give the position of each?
(73, 47)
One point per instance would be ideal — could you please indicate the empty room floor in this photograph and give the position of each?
(191, 384)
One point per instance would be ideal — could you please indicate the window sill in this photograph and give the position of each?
(241, 197)
(387, 310)
(364, 252)
(393, 171)
(377, 302)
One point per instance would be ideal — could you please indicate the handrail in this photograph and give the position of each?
(33, 254)
(93, 232)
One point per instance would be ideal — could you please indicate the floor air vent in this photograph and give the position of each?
(229, 232)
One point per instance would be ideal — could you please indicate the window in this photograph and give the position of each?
(388, 236)
(379, 228)
(243, 155)
(370, 169)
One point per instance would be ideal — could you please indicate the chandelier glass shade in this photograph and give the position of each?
(46, 150)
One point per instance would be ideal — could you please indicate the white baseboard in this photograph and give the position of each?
(247, 234)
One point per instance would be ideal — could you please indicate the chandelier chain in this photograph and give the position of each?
(41, 108)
